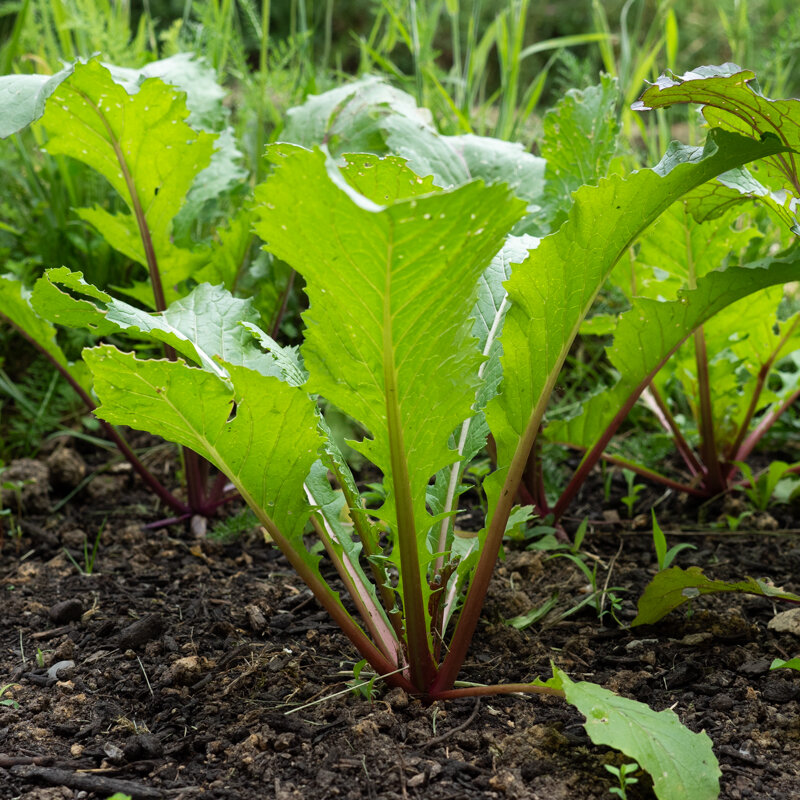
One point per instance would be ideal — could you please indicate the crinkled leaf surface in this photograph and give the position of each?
(681, 763)
(673, 587)
(579, 140)
(258, 430)
(552, 291)
(732, 100)
(370, 115)
(650, 332)
(207, 323)
(142, 145)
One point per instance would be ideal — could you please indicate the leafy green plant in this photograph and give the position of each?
(134, 129)
(762, 489)
(634, 489)
(623, 774)
(394, 338)
(430, 324)
(665, 557)
(737, 371)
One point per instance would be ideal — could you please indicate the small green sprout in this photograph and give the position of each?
(633, 490)
(621, 774)
(666, 557)
(8, 701)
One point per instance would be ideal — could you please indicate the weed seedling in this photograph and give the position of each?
(666, 557)
(622, 775)
(633, 491)
(8, 701)
(88, 558)
(760, 490)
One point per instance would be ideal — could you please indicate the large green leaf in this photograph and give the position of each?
(142, 145)
(260, 431)
(553, 290)
(732, 100)
(579, 141)
(650, 332)
(673, 587)
(208, 323)
(681, 763)
(390, 290)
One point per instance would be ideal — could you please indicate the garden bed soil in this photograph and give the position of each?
(183, 668)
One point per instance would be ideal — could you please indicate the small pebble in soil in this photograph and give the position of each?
(66, 611)
(141, 631)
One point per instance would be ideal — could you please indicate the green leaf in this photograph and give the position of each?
(190, 74)
(732, 100)
(677, 249)
(681, 763)
(142, 145)
(208, 323)
(792, 663)
(23, 98)
(648, 334)
(554, 289)
(675, 586)
(579, 140)
(258, 430)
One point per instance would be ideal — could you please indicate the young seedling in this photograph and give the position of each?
(88, 558)
(760, 490)
(624, 775)
(8, 701)
(634, 489)
(663, 556)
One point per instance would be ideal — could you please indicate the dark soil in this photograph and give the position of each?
(182, 668)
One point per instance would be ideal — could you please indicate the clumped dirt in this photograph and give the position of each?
(183, 668)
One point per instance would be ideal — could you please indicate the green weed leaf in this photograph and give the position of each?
(675, 586)
(681, 763)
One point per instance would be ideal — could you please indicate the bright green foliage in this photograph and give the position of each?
(554, 289)
(204, 325)
(651, 331)
(142, 145)
(761, 489)
(579, 141)
(258, 429)
(681, 763)
(732, 100)
(792, 663)
(675, 586)
(390, 289)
